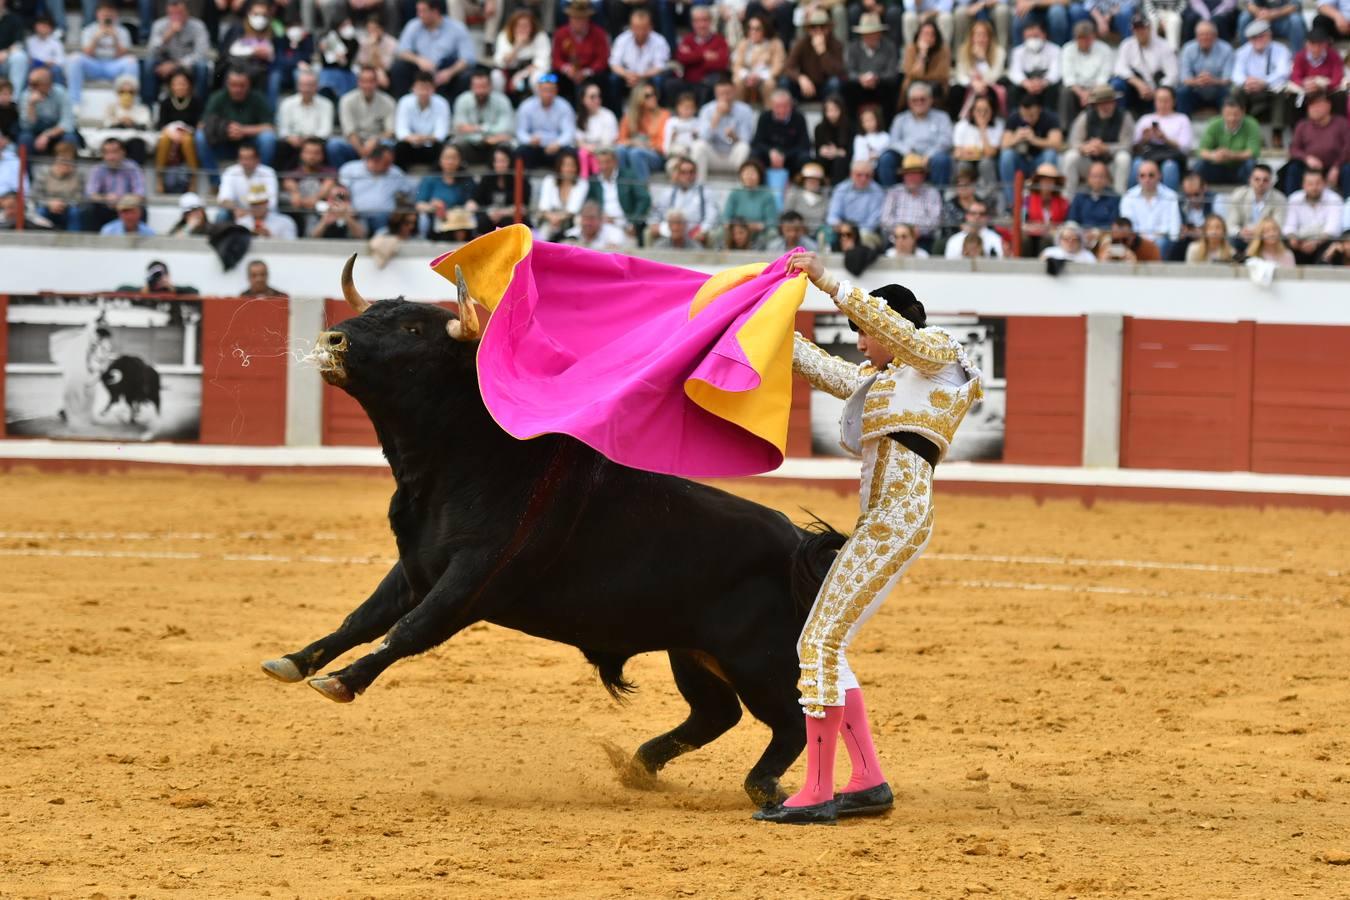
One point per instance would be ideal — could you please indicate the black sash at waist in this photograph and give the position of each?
(926, 449)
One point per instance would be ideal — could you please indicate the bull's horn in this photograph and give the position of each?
(466, 328)
(349, 291)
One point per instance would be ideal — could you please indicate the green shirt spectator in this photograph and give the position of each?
(1229, 146)
(234, 115)
(753, 202)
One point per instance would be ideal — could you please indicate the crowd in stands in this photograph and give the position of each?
(1142, 130)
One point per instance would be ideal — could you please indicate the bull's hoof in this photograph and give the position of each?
(765, 795)
(333, 689)
(632, 773)
(283, 669)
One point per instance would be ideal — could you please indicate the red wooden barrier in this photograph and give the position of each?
(1186, 395)
(1301, 400)
(244, 359)
(1044, 365)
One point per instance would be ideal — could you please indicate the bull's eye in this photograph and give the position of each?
(413, 329)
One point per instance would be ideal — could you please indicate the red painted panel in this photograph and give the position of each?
(244, 358)
(799, 420)
(1301, 400)
(1044, 360)
(1187, 402)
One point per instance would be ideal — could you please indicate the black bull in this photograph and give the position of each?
(550, 538)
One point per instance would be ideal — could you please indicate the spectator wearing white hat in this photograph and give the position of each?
(262, 219)
(1260, 71)
(192, 220)
(238, 180)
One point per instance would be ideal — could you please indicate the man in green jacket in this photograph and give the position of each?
(1230, 145)
(621, 194)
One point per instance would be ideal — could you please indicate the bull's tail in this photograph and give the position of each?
(811, 561)
(609, 666)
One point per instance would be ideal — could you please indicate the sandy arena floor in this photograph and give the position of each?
(1127, 700)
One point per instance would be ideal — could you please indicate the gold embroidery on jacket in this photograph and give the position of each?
(825, 371)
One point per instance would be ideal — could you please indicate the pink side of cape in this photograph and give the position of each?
(599, 346)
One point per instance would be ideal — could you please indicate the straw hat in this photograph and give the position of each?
(813, 170)
(1048, 171)
(870, 23)
(817, 17)
(257, 193)
(1102, 93)
(913, 162)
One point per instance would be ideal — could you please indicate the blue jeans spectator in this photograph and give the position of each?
(939, 168)
(339, 150)
(1292, 176)
(832, 86)
(1215, 173)
(1189, 99)
(1291, 29)
(210, 156)
(68, 219)
(1010, 162)
(28, 135)
(336, 81)
(18, 71)
(641, 160)
(79, 67)
(1171, 173)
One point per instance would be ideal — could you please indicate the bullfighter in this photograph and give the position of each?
(901, 413)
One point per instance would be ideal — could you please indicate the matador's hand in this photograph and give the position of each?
(811, 265)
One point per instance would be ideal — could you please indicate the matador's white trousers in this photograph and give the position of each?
(896, 523)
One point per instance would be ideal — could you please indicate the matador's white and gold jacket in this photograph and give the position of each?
(927, 388)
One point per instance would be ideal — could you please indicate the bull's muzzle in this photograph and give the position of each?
(330, 352)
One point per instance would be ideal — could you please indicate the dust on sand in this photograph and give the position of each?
(1073, 724)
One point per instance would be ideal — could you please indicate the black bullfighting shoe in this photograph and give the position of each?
(826, 813)
(872, 802)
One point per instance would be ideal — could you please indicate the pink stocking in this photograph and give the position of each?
(858, 739)
(822, 739)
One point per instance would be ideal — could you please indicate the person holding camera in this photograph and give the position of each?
(105, 52)
(1121, 244)
(337, 220)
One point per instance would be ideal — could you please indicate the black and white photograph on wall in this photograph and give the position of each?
(103, 368)
(980, 437)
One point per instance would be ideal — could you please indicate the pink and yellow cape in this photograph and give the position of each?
(657, 367)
